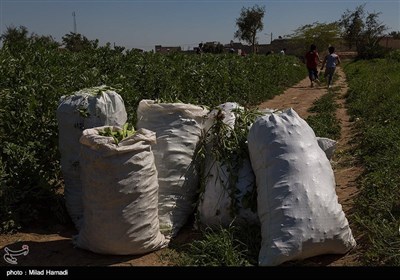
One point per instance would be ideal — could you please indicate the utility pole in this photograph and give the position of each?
(73, 14)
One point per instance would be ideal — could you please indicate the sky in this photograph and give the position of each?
(185, 23)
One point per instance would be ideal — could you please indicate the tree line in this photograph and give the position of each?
(360, 30)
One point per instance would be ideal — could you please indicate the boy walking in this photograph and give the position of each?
(331, 60)
(312, 60)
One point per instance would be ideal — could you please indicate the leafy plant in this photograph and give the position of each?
(35, 74)
(119, 134)
(227, 145)
(221, 247)
(374, 101)
(324, 122)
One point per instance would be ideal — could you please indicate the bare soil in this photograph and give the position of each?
(53, 246)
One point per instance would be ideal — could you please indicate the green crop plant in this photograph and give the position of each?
(373, 102)
(119, 134)
(228, 146)
(35, 75)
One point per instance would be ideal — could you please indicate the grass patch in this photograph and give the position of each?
(324, 121)
(374, 100)
(232, 246)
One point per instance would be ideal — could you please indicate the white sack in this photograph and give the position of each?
(297, 203)
(219, 203)
(327, 145)
(87, 108)
(178, 129)
(120, 194)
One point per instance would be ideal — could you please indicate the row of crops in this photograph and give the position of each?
(374, 101)
(33, 78)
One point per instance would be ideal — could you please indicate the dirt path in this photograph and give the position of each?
(53, 246)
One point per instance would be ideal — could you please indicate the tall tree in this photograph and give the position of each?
(18, 38)
(363, 31)
(249, 23)
(213, 47)
(322, 35)
(352, 25)
(15, 38)
(77, 42)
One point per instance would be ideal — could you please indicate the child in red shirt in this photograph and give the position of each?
(312, 60)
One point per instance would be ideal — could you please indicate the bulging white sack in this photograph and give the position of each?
(327, 145)
(120, 194)
(221, 202)
(178, 129)
(86, 108)
(297, 203)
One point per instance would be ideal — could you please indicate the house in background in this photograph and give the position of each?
(390, 42)
(234, 47)
(292, 47)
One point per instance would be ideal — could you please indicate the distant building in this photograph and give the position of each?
(293, 47)
(161, 49)
(389, 42)
(234, 47)
(275, 46)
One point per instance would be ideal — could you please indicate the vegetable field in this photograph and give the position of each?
(35, 76)
(374, 104)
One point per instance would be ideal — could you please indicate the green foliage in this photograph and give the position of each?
(322, 35)
(249, 23)
(215, 79)
(363, 32)
(352, 25)
(374, 101)
(212, 47)
(228, 146)
(324, 122)
(17, 38)
(28, 133)
(36, 74)
(76, 42)
(119, 134)
(14, 34)
(393, 56)
(223, 247)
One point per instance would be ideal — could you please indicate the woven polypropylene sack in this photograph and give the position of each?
(84, 109)
(120, 194)
(178, 129)
(222, 203)
(327, 145)
(297, 203)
